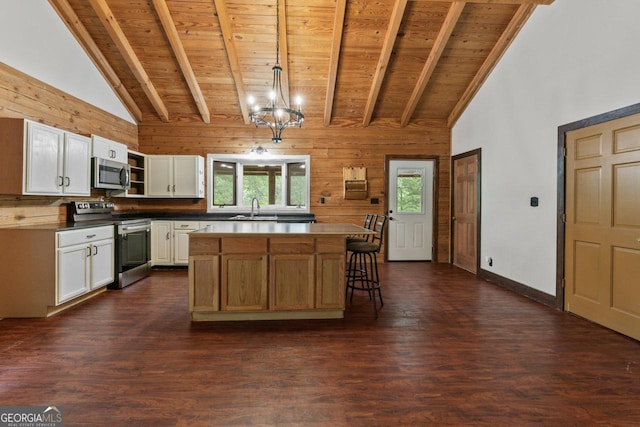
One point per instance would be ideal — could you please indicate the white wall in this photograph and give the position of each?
(574, 59)
(34, 40)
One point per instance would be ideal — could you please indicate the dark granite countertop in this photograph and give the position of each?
(59, 226)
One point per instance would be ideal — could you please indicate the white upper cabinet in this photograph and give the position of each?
(108, 149)
(188, 176)
(175, 176)
(77, 165)
(55, 162)
(43, 169)
(159, 176)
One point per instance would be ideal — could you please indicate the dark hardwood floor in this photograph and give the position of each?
(447, 349)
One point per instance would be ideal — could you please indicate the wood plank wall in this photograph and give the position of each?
(331, 149)
(22, 96)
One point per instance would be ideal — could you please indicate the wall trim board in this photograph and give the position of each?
(560, 233)
(519, 288)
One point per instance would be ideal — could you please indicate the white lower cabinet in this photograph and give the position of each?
(162, 242)
(102, 263)
(170, 241)
(73, 273)
(181, 230)
(84, 261)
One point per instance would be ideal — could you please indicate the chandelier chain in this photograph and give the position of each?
(277, 32)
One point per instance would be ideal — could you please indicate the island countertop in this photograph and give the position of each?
(260, 228)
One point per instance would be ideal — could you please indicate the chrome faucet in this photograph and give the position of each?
(255, 199)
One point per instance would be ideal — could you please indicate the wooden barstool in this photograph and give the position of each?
(362, 272)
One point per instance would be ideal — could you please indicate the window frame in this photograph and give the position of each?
(240, 161)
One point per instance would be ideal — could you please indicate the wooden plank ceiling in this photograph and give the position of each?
(353, 62)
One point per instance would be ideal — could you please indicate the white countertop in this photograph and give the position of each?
(270, 228)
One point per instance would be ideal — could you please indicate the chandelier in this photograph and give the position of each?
(276, 114)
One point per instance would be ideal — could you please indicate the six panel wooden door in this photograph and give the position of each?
(602, 235)
(465, 213)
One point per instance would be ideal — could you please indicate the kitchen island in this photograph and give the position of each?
(258, 270)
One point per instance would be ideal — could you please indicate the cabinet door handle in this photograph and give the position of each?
(168, 188)
(88, 251)
(183, 225)
(168, 236)
(90, 236)
(95, 250)
(174, 188)
(68, 180)
(61, 181)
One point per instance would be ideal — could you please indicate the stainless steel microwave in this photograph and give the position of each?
(110, 175)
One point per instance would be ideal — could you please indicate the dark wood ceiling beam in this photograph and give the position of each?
(117, 35)
(432, 60)
(338, 24)
(383, 61)
(498, 1)
(162, 10)
(72, 21)
(232, 56)
(508, 35)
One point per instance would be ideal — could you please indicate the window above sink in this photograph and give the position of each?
(279, 183)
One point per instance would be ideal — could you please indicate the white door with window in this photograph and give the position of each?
(410, 229)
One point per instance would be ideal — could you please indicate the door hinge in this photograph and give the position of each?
(564, 151)
(562, 283)
(564, 217)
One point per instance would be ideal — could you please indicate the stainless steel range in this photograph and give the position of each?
(133, 240)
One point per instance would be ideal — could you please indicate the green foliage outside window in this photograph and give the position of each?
(224, 177)
(409, 192)
(264, 183)
(262, 180)
(297, 184)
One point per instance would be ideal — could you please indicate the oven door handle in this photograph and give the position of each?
(134, 228)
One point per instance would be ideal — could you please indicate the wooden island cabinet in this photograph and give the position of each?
(261, 271)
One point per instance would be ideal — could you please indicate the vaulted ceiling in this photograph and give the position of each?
(352, 61)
